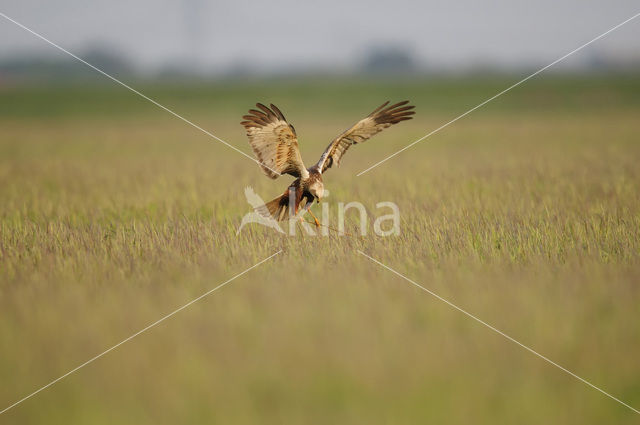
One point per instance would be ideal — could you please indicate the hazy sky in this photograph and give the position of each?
(328, 33)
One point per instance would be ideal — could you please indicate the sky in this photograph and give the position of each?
(327, 35)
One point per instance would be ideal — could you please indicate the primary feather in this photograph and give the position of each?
(382, 117)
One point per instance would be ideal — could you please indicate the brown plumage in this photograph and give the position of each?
(275, 144)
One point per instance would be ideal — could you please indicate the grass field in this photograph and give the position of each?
(526, 213)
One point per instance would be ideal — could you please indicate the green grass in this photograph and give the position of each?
(526, 213)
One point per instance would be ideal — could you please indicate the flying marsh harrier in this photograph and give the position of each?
(275, 145)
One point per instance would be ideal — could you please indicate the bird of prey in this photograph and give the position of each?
(275, 145)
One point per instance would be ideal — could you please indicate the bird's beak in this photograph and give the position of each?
(317, 199)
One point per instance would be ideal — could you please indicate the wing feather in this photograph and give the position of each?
(274, 142)
(382, 117)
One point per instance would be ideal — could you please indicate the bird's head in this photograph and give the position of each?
(317, 190)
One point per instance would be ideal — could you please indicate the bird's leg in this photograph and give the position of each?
(314, 217)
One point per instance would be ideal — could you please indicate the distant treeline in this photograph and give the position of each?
(377, 60)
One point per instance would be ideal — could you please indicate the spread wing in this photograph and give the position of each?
(381, 118)
(274, 142)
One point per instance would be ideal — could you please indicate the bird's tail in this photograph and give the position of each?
(278, 208)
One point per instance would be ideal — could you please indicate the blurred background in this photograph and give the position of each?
(525, 213)
(155, 39)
